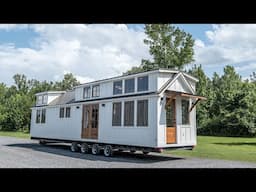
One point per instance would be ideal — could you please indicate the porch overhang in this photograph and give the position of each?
(173, 94)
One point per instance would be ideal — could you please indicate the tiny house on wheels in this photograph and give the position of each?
(147, 112)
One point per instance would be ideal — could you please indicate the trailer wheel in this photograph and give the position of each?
(42, 142)
(145, 152)
(108, 150)
(95, 149)
(84, 148)
(74, 147)
(132, 151)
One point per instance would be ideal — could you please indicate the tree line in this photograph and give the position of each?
(16, 101)
(230, 108)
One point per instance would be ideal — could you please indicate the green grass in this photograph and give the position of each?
(229, 148)
(19, 134)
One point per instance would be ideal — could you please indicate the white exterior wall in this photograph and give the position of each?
(79, 93)
(55, 127)
(137, 136)
(70, 128)
(185, 134)
(179, 85)
(162, 78)
(106, 88)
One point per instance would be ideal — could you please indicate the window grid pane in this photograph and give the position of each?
(143, 83)
(96, 91)
(142, 113)
(45, 99)
(129, 113)
(117, 87)
(40, 99)
(87, 92)
(185, 112)
(43, 116)
(38, 113)
(129, 85)
(61, 112)
(117, 114)
(67, 112)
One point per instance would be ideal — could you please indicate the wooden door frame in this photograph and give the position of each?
(170, 130)
(87, 134)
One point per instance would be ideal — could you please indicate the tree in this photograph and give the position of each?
(134, 70)
(17, 109)
(16, 100)
(3, 113)
(21, 83)
(169, 46)
(253, 77)
(67, 83)
(232, 112)
(203, 88)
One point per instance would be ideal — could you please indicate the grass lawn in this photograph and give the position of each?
(19, 134)
(229, 148)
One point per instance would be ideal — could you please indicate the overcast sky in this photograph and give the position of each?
(92, 52)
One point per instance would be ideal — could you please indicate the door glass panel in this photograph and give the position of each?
(87, 112)
(170, 114)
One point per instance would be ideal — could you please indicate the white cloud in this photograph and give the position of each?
(229, 44)
(84, 79)
(90, 52)
(250, 66)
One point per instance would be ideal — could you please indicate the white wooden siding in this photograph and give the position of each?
(106, 88)
(180, 86)
(58, 128)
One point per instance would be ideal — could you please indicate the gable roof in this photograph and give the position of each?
(172, 80)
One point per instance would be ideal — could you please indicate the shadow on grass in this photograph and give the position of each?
(64, 150)
(236, 143)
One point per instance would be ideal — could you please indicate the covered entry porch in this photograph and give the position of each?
(179, 119)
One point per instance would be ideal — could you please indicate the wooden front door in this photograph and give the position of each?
(170, 121)
(90, 122)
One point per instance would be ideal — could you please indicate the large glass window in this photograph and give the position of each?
(129, 113)
(142, 83)
(87, 92)
(43, 116)
(117, 87)
(142, 113)
(129, 85)
(95, 91)
(116, 114)
(68, 112)
(38, 115)
(185, 111)
(62, 112)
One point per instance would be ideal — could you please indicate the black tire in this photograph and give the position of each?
(42, 142)
(145, 152)
(95, 149)
(84, 148)
(74, 147)
(108, 151)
